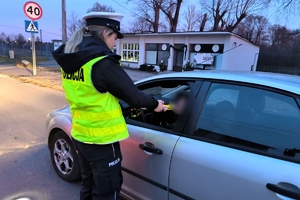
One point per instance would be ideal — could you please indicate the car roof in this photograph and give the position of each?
(290, 83)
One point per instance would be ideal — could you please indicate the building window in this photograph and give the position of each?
(202, 55)
(155, 54)
(130, 52)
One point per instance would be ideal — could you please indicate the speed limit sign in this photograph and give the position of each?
(33, 10)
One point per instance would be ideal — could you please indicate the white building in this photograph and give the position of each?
(209, 50)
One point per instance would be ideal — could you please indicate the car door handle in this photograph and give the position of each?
(147, 146)
(289, 190)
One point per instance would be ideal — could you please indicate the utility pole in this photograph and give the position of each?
(41, 42)
(64, 22)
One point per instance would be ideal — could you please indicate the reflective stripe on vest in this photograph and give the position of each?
(96, 117)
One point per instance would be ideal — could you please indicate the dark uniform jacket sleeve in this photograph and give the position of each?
(108, 75)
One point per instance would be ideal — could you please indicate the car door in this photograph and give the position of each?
(243, 144)
(147, 152)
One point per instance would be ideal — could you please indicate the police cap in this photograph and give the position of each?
(109, 19)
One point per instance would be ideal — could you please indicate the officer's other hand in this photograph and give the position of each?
(161, 106)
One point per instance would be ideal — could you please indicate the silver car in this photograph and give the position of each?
(238, 138)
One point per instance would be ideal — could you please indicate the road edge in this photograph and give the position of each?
(35, 81)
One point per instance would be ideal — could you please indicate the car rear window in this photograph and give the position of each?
(250, 117)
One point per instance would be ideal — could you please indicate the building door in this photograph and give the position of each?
(178, 57)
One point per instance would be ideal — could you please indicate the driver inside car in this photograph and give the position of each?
(177, 105)
(166, 119)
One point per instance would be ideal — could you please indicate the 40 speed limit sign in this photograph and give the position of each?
(33, 10)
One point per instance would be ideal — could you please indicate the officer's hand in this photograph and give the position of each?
(161, 107)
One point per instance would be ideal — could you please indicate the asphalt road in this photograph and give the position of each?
(25, 166)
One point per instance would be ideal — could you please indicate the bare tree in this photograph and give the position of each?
(2, 37)
(140, 25)
(191, 17)
(203, 21)
(254, 28)
(285, 6)
(74, 23)
(228, 14)
(283, 49)
(20, 38)
(7, 39)
(279, 36)
(171, 8)
(194, 19)
(37, 39)
(97, 7)
(149, 13)
(163, 26)
(12, 37)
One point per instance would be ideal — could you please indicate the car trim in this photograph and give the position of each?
(146, 81)
(201, 95)
(298, 101)
(157, 184)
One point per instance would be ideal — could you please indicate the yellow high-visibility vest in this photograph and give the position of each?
(96, 117)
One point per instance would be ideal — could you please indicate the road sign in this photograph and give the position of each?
(33, 10)
(31, 26)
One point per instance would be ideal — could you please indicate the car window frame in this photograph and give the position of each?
(178, 128)
(190, 126)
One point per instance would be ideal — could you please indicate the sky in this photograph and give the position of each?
(12, 16)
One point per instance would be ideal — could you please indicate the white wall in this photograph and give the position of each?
(171, 60)
(242, 57)
(207, 39)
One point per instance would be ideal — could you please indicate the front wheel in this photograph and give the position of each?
(64, 157)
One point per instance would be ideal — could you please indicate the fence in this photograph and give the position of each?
(24, 50)
(280, 69)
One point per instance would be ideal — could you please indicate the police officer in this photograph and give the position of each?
(93, 81)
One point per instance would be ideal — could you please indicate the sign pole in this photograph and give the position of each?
(33, 54)
(34, 12)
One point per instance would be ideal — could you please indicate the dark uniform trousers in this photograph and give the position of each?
(100, 170)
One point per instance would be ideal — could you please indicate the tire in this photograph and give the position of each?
(64, 157)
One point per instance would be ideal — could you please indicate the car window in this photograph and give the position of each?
(221, 94)
(280, 105)
(252, 118)
(163, 90)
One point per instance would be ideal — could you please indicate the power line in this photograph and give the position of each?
(51, 33)
(23, 29)
(126, 8)
(11, 26)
